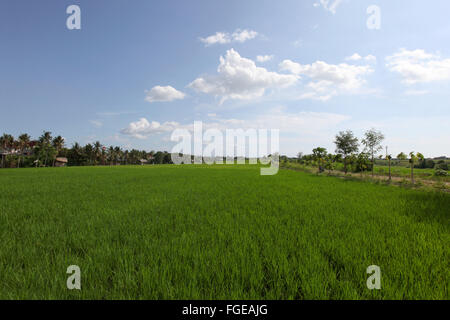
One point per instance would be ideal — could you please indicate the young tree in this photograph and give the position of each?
(329, 164)
(412, 159)
(389, 158)
(362, 162)
(372, 142)
(319, 155)
(346, 144)
(402, 156)
(299, 157)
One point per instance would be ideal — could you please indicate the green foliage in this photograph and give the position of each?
(440, 173)
(372, 142)
(442, 165)
(346, 145)
(402, 156)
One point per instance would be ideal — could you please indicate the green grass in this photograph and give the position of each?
(218, 232)
(406, 173)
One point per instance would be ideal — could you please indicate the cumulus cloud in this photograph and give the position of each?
(225, 37)
(240, 78)
(418, 66)
(164, 94)
(354, 57)
(143, 128)
(264, 58)
(328, 80)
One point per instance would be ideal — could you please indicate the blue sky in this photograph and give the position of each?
(139, 69)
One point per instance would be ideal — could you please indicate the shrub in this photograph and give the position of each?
(440, 173)
(442, 165)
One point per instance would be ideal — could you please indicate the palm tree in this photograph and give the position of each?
(58, 144)
(97, 150)
(111, 155)
(125, 154)
(45, 142)
(89, 152)
(77, 152)
(23, 142)
(104, 154)
(6, 143)
(117, 155)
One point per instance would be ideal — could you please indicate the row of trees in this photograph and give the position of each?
(25, 152)
(349, 155)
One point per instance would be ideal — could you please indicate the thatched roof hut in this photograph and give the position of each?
(61, 162)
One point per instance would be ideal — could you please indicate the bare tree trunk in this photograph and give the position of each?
(345, 165)
(390, 176)
(373, 165)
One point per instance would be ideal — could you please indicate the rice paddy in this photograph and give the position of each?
(217, 232)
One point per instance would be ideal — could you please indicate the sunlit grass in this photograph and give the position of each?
(217, 232)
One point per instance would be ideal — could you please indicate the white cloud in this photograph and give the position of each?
(354, 57)
(143, 128)
(240, 78)
(329, 5)
(358, 57)
(219, 37)
(418, 66)
(328, 80)
(164, 94)
(244, 35)
(225, 37)
(264, 58)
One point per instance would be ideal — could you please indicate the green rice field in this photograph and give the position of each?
(217, 232)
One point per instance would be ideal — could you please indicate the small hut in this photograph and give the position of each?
(61, 162)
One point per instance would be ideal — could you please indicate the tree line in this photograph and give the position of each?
(349, 156)
(356, 155)
(44, 151)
